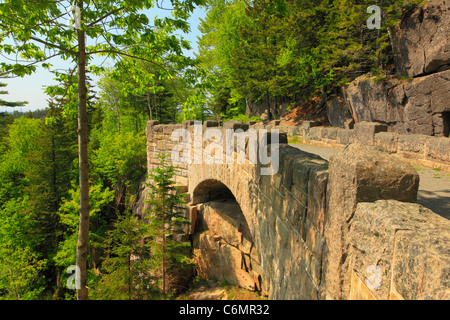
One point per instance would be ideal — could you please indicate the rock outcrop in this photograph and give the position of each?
(417, 104)
(223, 247)
(414, 106)
(420, 42)
(338, 113)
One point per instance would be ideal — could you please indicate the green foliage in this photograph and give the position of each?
(166, 220)
(289, 51)
(100, 201)
(21, 265)
(128, 263)
(120, 158)
(195, 107)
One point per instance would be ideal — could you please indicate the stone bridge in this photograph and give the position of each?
(344, 229)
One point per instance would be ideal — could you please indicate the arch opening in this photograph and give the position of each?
(212, 190)
(221, 239)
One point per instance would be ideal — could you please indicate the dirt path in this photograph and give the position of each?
(434, 187)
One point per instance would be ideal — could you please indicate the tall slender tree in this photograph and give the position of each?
(166, 220)
(40, 32)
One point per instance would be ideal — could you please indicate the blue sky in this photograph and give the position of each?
(31, 88)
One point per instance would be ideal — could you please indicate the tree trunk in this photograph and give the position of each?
(116, 110)
(268, 105)
(156, 106)
(129, 276)
(248, 112)
(83, 232)
(149, 106)
(164, 246)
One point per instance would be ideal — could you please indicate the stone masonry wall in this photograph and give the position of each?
(429, 150)
(313, 223)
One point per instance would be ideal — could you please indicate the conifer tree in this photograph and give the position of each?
(166, 220)
(128, 263)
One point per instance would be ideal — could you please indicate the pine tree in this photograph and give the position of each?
(128, 262)
(166, 220)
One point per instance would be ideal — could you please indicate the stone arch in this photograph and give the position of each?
(222, 240)
(238, 179)
(210, 190)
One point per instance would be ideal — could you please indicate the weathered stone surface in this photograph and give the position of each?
(288, 156)
(309, 124)
(317, 189)
(345, 136)
(368, 100)
(265, 116)
(365, 131)
(221, 261)
(338, 113)
(409, 245)
(225, 219)
(299, 219)
(302, 167)
(415, 106)
(358, 174)
(420, 42)
(294, 130)
(388, 141)
(425, 97)
(439, 149)
(210, 123)
(234, 124)
(329, 133)
(209, 293)
(412, 143)
(193, 213)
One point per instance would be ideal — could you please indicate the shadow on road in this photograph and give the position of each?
(438, 202)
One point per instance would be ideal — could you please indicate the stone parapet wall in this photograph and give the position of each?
(429, 150)
(159, 142)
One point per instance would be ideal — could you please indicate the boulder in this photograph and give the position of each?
(420, 42)
(407, 243)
